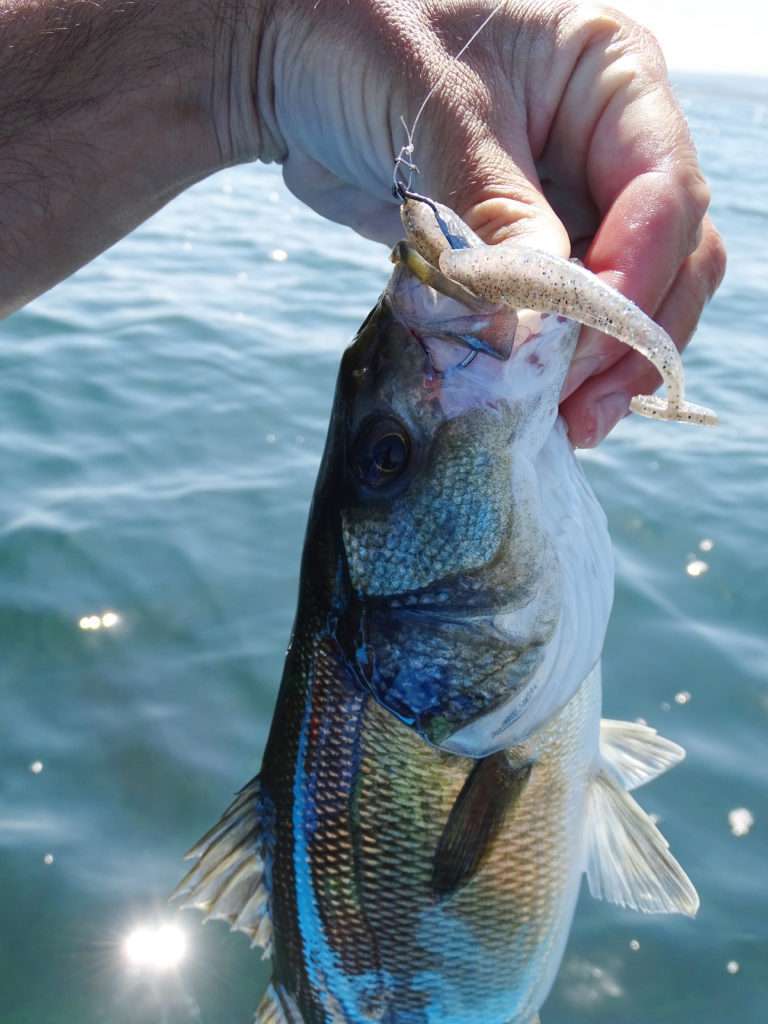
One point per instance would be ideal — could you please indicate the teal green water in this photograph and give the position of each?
(161, 420)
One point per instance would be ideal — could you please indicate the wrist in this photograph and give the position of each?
(241, 116)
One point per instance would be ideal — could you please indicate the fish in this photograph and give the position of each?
(438, 778)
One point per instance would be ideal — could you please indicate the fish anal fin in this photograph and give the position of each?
(636, 752)
(228, 879)
(628, 859)
(489, 791)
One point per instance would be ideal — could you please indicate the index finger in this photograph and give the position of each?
(641, 171)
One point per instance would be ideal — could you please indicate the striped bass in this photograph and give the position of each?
(437, 777)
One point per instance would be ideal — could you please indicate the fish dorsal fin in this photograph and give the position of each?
(227, 880)
(628, 859)
(636, 752)
(270, 1009)
(490, 789)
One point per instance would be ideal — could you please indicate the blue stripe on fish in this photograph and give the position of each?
(338, 990)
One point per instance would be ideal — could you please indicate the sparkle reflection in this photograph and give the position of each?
(733, 967)
(36, 767)
(107, 620)
(697, 567)
(160, 948)
(741, 821)
(588, 985)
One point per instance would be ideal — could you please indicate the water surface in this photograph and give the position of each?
(162, 415)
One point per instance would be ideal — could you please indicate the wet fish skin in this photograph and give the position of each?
(361, 800)
(432, 558)
(362, 803)
(435, 783)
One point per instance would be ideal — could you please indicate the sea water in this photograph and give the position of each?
(162, 415)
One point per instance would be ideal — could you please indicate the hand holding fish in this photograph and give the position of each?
(558, 128)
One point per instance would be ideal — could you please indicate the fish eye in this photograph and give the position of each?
(381, 452)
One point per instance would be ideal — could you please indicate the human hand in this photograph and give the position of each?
(558, 128)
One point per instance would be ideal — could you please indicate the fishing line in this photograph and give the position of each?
(405, 157)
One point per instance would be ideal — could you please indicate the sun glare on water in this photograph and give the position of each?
(160, 948)
(106, 621)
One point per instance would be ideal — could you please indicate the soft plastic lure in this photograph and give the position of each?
(524, 278)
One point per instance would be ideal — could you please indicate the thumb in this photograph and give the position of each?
(498, 194)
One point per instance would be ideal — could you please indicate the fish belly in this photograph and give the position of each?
(360, 806)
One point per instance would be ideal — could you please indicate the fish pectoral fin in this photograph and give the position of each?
(628, 859)
(489, 791)
(636, 752)
(227, 880)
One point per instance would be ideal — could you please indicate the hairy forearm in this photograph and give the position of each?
(108, 109)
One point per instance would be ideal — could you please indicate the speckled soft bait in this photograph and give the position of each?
(524, 278)
(437, 778)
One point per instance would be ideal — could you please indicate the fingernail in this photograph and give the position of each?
(608, 412)
(581, 368)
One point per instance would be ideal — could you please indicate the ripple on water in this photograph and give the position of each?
(161, 422)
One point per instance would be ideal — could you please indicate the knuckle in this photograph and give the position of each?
(585, 26)
(609, 26)
(715, 259)
(647, 45)
(688, 190)
(695, 188)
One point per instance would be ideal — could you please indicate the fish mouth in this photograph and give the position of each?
(436, 309)
(526, 353)
(406, 256)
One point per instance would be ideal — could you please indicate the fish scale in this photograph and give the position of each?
(372, 856)
(437, 779)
